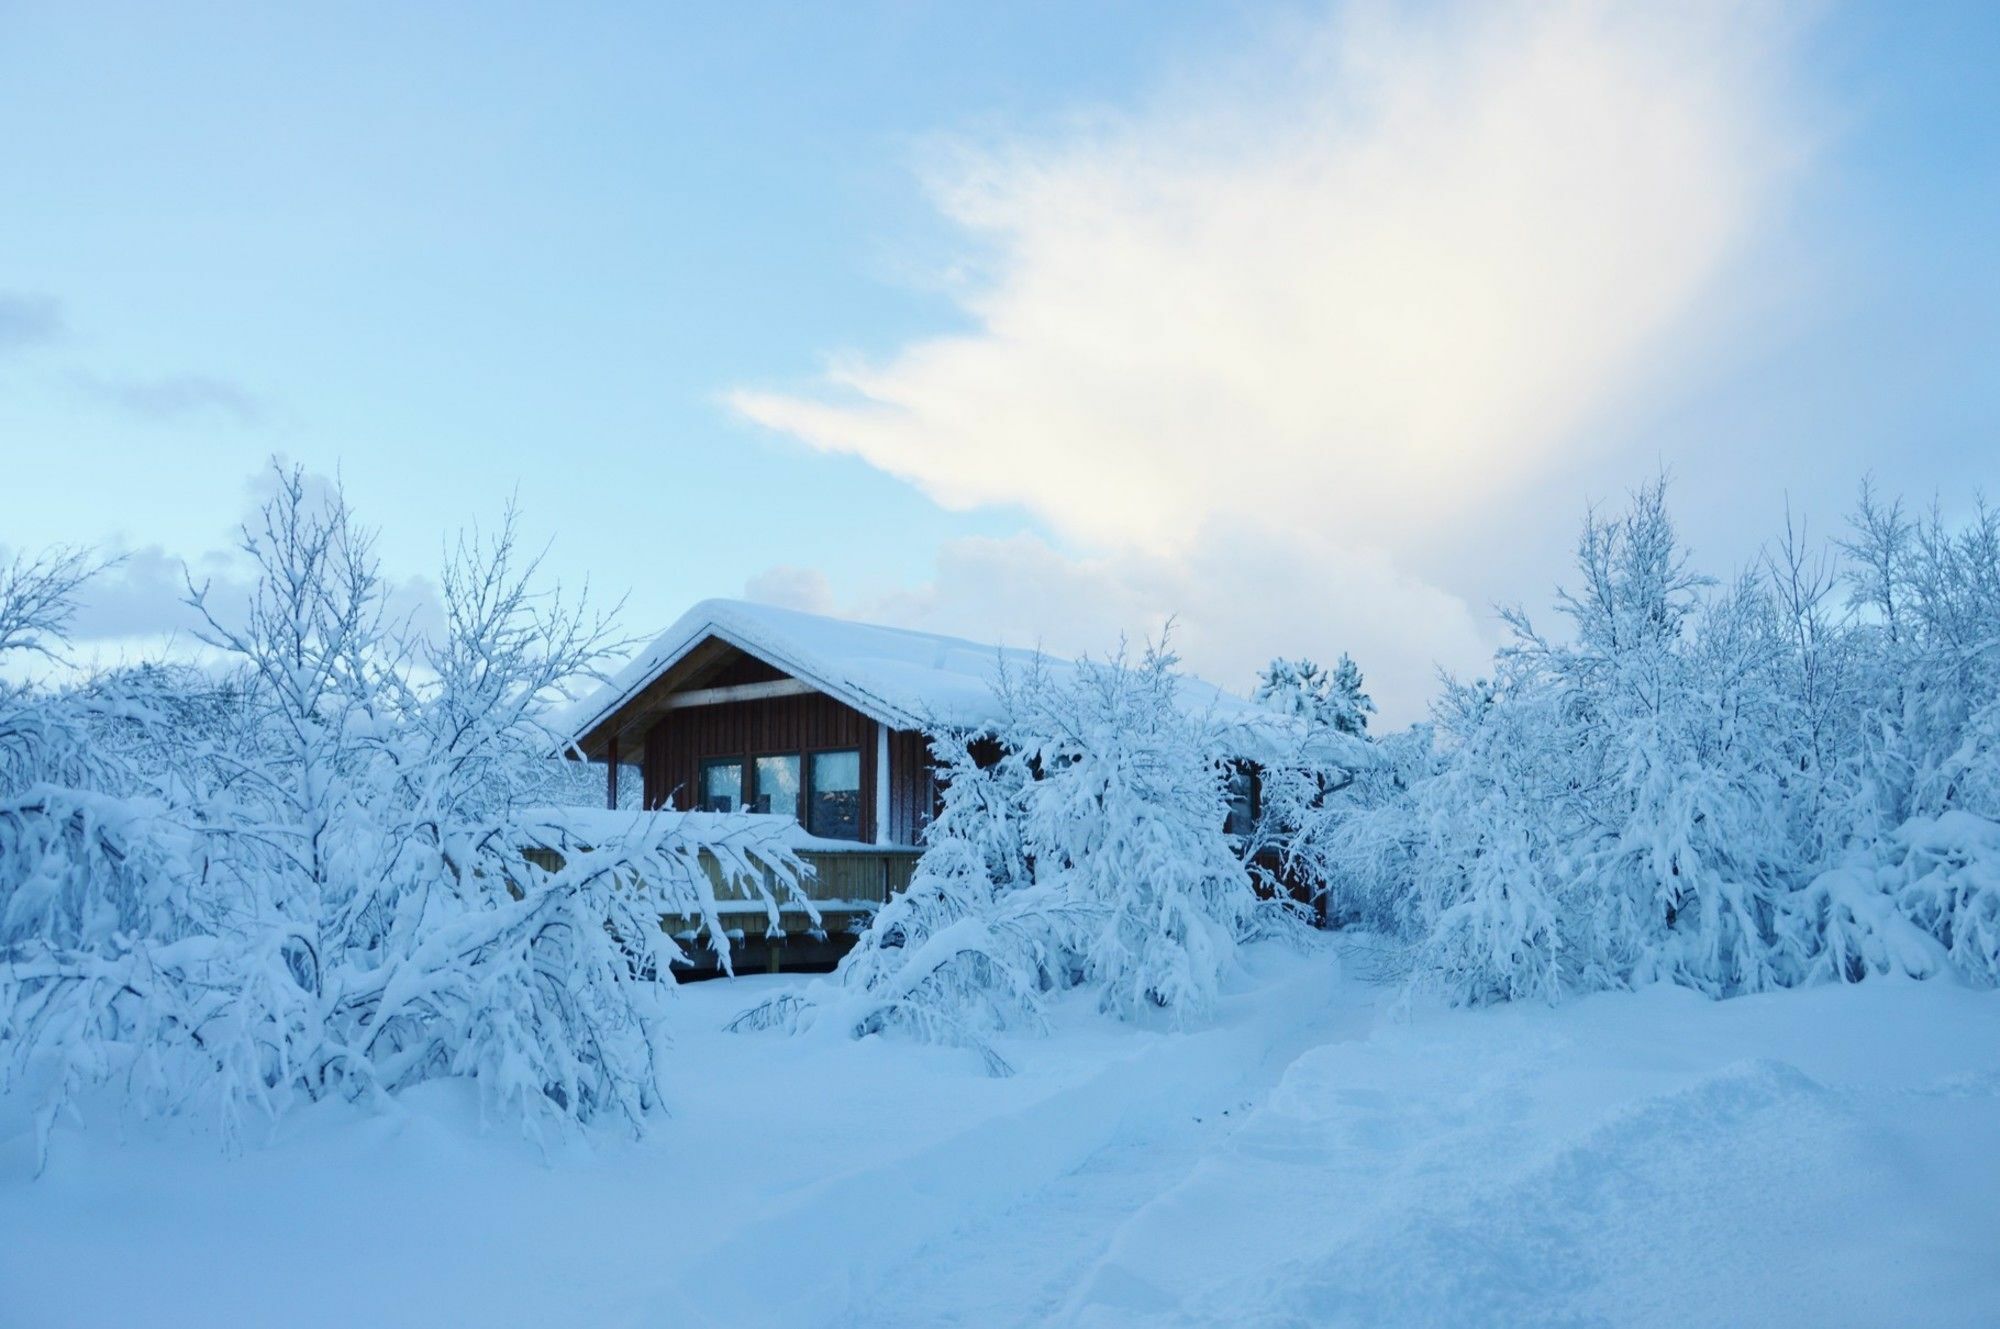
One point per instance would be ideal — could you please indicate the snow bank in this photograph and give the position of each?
(1819, 1157)
(1825, 1156)
(834, 1271)
(792, 1174)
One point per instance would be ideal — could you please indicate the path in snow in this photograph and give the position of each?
(1828, 1157)
(1020, 1267)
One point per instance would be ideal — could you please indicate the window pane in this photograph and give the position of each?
(1242, 801)
(721, 786)
(835, 808)
(778, 785)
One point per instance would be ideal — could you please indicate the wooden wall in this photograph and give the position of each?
(685, 738)
(911, 788)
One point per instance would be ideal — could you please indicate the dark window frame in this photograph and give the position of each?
(799, 801)
(809, 791)
(743, 793)
(1251, 799)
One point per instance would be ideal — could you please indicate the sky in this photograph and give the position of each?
(1314, 328)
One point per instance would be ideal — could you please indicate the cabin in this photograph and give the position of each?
(748, 707)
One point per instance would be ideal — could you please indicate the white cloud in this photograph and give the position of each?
(1357, 291)
(136, 607)
(1376, 279)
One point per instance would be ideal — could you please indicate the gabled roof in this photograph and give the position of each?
(898, 677)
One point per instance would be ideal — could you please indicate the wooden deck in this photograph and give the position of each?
(846, 887)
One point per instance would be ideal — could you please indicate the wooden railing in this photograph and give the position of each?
(846, 885)
(865, 876)
(870, 873)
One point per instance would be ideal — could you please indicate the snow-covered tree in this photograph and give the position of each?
(1301, 688)
(1080, 843)
(1910, 813)
(971, 946)
(1492, 902)
(1298, 843)
(1676, 743)
(1610, 808)
(1727, 788)
(1126, 816)
(346, 889)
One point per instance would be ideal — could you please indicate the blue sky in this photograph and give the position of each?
(1316, 326)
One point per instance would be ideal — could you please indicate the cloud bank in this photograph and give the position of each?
(1376, 276)
(136, 607)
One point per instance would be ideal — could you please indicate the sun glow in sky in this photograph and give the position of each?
(1316, 326)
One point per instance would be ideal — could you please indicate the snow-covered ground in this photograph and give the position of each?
(1317, 1155)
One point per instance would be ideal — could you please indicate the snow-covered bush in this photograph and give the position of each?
(85, 853)
(1333, 699)
(1725, 788)
(1303, 838)
(972, 944)
(1946, 880)
(1610, 811)
(330, 889)
(1080, 843)
(1351, 831)
(1911, 782)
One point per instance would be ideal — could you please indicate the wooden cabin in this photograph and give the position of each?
(747, 707)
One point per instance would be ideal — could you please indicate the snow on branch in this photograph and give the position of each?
(325, 874)
(1730, 786)
(1081, 843)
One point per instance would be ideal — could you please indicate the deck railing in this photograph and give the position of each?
(865, 873)
(846, 884)
(845, 888)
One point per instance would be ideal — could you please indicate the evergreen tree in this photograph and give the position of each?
(1303, 689)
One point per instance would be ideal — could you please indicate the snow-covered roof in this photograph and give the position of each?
(899, 677)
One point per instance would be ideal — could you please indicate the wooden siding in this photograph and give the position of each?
(683, 739)
(740, 668)
(669, 742)
(847, 886)
(871, 877)
(912, 791)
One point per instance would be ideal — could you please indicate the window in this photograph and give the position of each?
(770, 783)
(721, 786)
(777, 785)
(833, 803)
(1242, 801)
